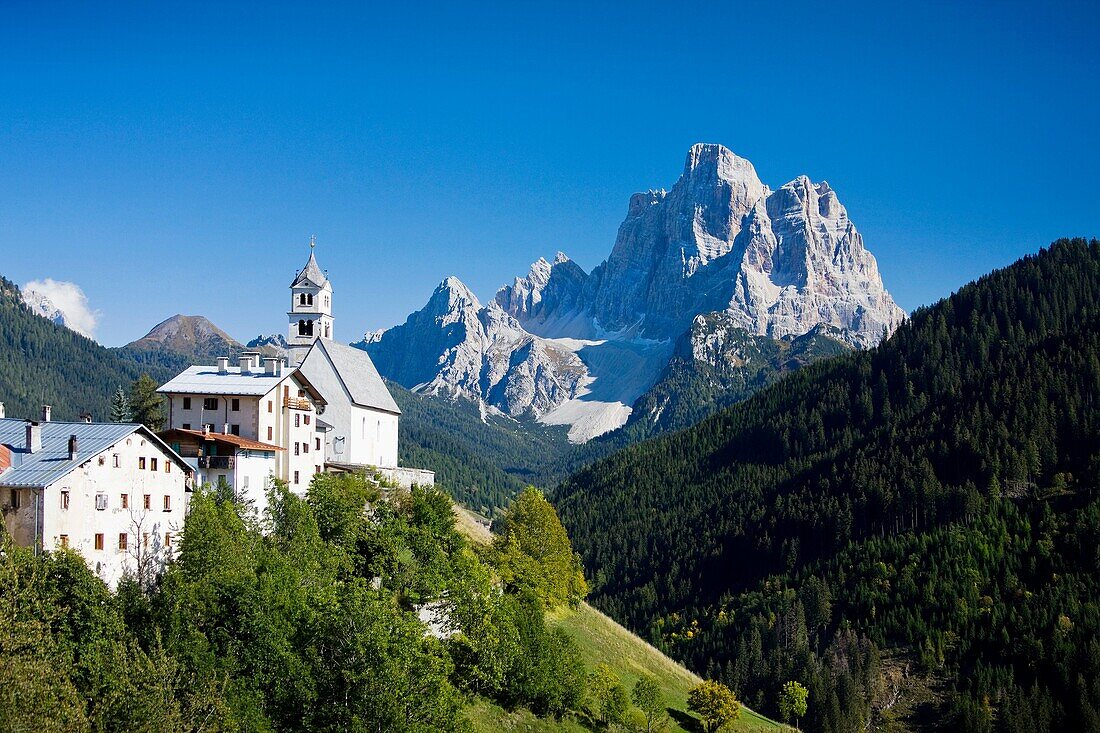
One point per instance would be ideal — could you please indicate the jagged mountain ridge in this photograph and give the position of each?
(779, 262)
(568, 347)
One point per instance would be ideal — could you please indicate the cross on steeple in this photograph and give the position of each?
(312, 241)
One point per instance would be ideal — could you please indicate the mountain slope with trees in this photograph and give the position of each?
(42, 362)
(928, 508)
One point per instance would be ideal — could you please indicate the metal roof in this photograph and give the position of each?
(357, 372)
(207, 380)
(310, 275)
(51, 463)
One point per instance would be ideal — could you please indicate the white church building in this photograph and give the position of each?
(328, 410)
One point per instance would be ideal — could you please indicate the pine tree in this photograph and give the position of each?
(120, 407)
(146, 406)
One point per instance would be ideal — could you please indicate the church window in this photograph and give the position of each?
(309, 298)
(326, 331)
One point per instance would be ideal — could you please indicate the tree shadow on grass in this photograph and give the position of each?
(685, 721)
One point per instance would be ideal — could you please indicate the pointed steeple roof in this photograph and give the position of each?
(311, 274)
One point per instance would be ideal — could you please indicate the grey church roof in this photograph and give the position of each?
(310, 275)
(51, 463)
(358, 374)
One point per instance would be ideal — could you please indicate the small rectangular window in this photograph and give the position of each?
(117, 464)
(99, 541)
(64, 499)
(141, 463)
(13, 499)
(301, 393)
(317, 446)
(295, 478)
(64, 540)
(296, 449)
(317, 469)
(167, 539)
(186, 404)
(235, 429)
(297, 419)
(123, 540)
(210, 403)
(152, 464)
(187, 426)
(167, 503)
(100, 502)
(269, 432)
(305, 447)
(148, 501)
(269, 405)
(235, 406)
(125, 501)
(167, 466)
(305, 419)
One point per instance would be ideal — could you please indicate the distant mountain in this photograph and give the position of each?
(41, 305)
(909, 531)
(191, 336)
(565, 347)
(274, 344)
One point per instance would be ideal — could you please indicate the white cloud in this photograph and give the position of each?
(71, 301)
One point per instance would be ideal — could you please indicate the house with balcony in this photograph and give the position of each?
(241, 465)
(254, 419)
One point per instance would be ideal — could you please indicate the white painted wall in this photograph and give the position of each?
(146, 529)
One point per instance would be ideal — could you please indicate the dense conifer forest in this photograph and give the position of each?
(911, 532)
(44, 363)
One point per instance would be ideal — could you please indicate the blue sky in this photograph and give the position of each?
(176, 157)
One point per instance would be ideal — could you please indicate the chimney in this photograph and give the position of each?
(46, 410)
(253, 358)
(223, 365)
(34, 437)
(72, 447)
(246, 364)
(85, 417)
(2, 410)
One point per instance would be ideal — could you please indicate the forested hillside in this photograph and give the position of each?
(909, 531)
(42, 362)
(482, 463)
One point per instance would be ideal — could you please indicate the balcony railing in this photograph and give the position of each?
(216, 462)
(298, 403)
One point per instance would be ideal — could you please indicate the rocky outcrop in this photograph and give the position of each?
(456, 346)
(578, 348)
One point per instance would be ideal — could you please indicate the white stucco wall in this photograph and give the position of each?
(82, 521)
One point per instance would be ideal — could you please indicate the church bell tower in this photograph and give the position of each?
(310, 311)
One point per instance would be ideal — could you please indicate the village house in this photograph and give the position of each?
(114, 492)
(243, 424)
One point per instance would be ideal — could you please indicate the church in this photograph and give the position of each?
(327, 410)
(360, 415)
